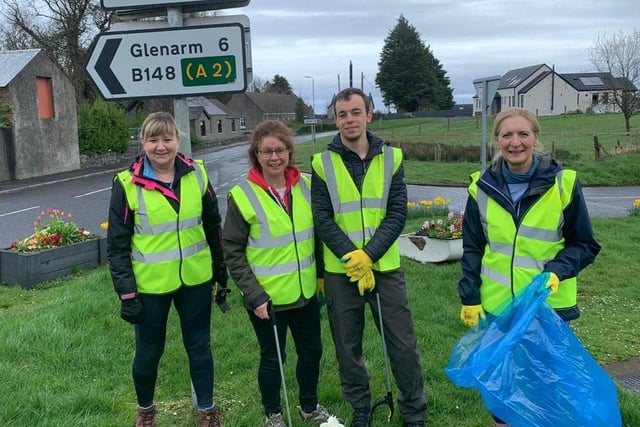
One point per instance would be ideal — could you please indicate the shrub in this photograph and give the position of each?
(103, 127)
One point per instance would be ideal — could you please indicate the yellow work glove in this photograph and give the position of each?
(366, 282)
(552, 281)
(357, 263)
(471, 315)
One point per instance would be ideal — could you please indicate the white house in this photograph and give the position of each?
(541, 90)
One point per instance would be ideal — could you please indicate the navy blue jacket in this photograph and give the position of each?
(580, 248)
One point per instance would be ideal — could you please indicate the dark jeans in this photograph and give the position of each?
(193, 305)
(346, 310)
(304, 324)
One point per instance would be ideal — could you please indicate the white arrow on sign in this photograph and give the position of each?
(168, 62)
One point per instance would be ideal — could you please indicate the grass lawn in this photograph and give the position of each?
(66, 355)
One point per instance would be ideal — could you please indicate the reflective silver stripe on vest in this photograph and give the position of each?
(170, 255)
(483, 202)
(539, 233)
(357, 235)
(493, 275)
(528, 262)
(145, 227)
(560, 191)
(268, 241)
(286, 268)
(355, 206)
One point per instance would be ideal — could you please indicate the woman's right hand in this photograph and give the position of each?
(262, 311)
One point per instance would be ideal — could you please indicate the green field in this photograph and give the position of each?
(66, 355)
(570, 137)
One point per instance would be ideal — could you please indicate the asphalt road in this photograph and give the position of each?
(85, 194)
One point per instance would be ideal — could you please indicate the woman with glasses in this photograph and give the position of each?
(270, 250)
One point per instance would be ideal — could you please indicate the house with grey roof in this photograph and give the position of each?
(539, 89)
(210, 120)
(256, 107)
(42, 133)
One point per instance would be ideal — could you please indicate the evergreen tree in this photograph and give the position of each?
(410, 77)
(279, 84)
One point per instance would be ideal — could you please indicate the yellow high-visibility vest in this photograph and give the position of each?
(280, 250)
(168, 249)
(514, 255)
(359, 215)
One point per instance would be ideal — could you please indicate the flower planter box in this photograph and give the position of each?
(426, 249)
(26, 269)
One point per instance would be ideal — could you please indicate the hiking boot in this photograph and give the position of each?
(361, 417)
(209, 417)
(318, 415)
(275, 420)
(146, 416)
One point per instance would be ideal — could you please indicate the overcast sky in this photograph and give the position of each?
(470, 38)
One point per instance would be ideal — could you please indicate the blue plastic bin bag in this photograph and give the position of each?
(531, 370)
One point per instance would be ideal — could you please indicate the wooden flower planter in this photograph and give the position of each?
(426, 249)
(27, 269)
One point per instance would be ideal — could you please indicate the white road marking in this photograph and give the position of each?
(91, 192)
(20, 211)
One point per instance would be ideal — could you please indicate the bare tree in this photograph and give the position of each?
(62, 28)
(619, 55)
(257, 85)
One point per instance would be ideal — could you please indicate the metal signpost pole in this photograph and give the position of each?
(180, 106)
(485, 88)
(483, 150)
(313, 108)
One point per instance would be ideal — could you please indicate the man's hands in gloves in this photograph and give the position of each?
(357, 263)
(550, 281)
(366, 283)
(220, 289)
(471, 315)
(131, 310)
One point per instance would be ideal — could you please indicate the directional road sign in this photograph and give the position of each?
(311, 121)
(211, 4)
(169, 62)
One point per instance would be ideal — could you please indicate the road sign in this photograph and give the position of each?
(486, 89)
(211, 4)
(169, 62)
(311, 121)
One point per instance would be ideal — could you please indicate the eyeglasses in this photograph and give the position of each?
(268, 153)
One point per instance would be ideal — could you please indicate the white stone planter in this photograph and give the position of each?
(425, 249)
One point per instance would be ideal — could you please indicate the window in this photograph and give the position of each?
(594, 99)
(45, 98)
(203, 128)
(243, 123)
(219, 125)
(521, 101)
(233, 126)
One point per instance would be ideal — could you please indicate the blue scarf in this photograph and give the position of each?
(519, 178)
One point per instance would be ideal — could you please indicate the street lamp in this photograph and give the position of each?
(313, 95)
(313, 108)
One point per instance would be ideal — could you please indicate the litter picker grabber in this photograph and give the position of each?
(272, 319)
(388, 398)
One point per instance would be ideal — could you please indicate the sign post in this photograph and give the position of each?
(173, 62)
(169, 62)
(485, 88)
(144, 4)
